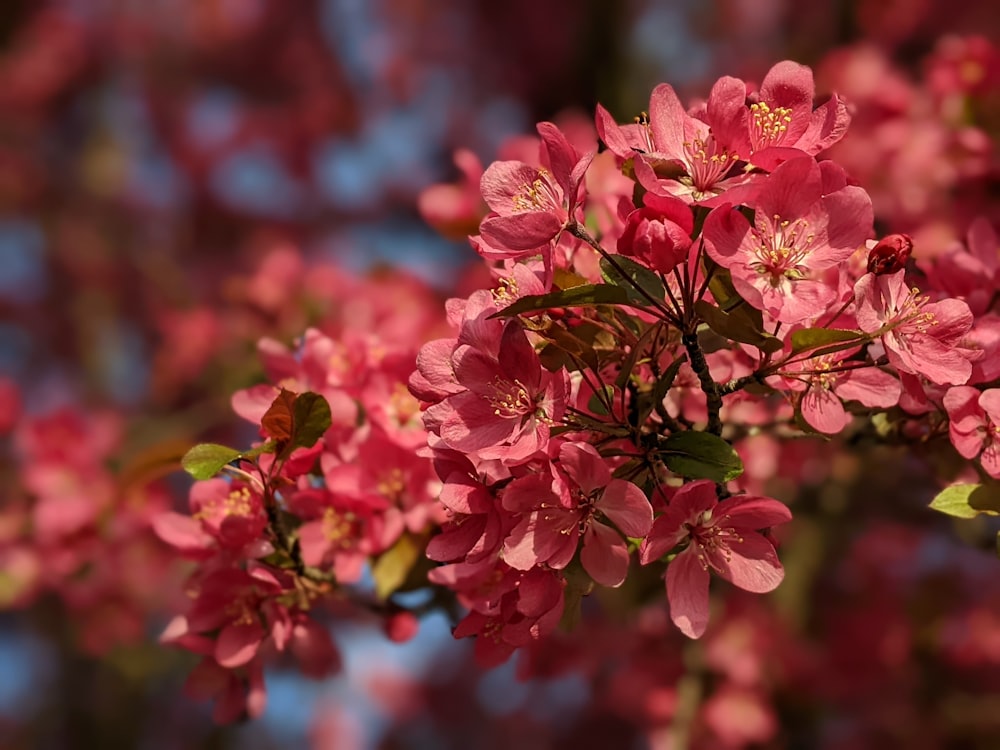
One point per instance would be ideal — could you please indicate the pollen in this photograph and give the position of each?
(511, 399)
(783, 247)
(338, 528)
(707, 163)
(768, 126)
(539, 195)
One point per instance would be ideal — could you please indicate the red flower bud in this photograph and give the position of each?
(890, 254)
(401, 626)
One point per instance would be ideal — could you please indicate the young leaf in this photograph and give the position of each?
(967, 500)
(392, 567)
(311, 418)
(277, 420)
(205, 460)
(700, 455)
(636, 275)
(577, 296)
(736, 326)
(813, 338)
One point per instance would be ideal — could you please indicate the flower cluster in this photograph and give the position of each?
(656, 308)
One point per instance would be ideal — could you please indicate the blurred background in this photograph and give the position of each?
(179, 178)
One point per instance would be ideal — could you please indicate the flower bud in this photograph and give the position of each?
(890, 254)
(401, 626)
(654, 235)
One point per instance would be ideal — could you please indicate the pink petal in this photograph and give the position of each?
(726, 232)
(753, 564)
(530, 230)
(562, 157)
(824, 411)
(237, 644)
(791, 190)
(585, 466)
(604, 555)
(502, 181)
(627, 507)
(666, 121)
(869, 386)
(612, 134)
(687, 592)
(753, 512)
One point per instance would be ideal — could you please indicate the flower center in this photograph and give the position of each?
(710, 538)
(707, 163)
(539, 195)
(782, 248)
(339, 528)
(511, 399)
(768, 126)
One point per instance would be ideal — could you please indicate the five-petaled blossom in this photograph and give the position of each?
(577, 503)
(807, 219)
(721, 536)
(920, 337)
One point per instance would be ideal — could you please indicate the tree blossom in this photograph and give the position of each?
(559, 512)
(658, 233)
(825, 382)
(920, 337)
(532, 205)
(506, 406)
(674, 153)
(721, 536)
(974, 425)
(806, 219)
(778, 122)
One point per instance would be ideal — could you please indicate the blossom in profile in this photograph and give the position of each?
(531, 205)
(974, 425)
(778, 122)
(721, 536)
(920, 337)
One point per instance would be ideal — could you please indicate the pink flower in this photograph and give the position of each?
(973, 274)
(510, 402)
(974, 425)
(825, 384)
(584, 494)
(778, 122)
(920, 337)
(721, 536)
(673, 153)
(532, 205)
(807, 219)
(455, 210)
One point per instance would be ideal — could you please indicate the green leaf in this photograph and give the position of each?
(311, 418)
(813, 338)
(392, 567)
(986, 499)
(968, 500)
(205, 460)
(737, 326)
(577, 296)
(596, 404)
(636, 275)
(721, 286)
(700, 455)
(660, 388)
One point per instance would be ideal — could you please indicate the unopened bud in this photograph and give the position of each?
(890, 254)
(401, 626)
